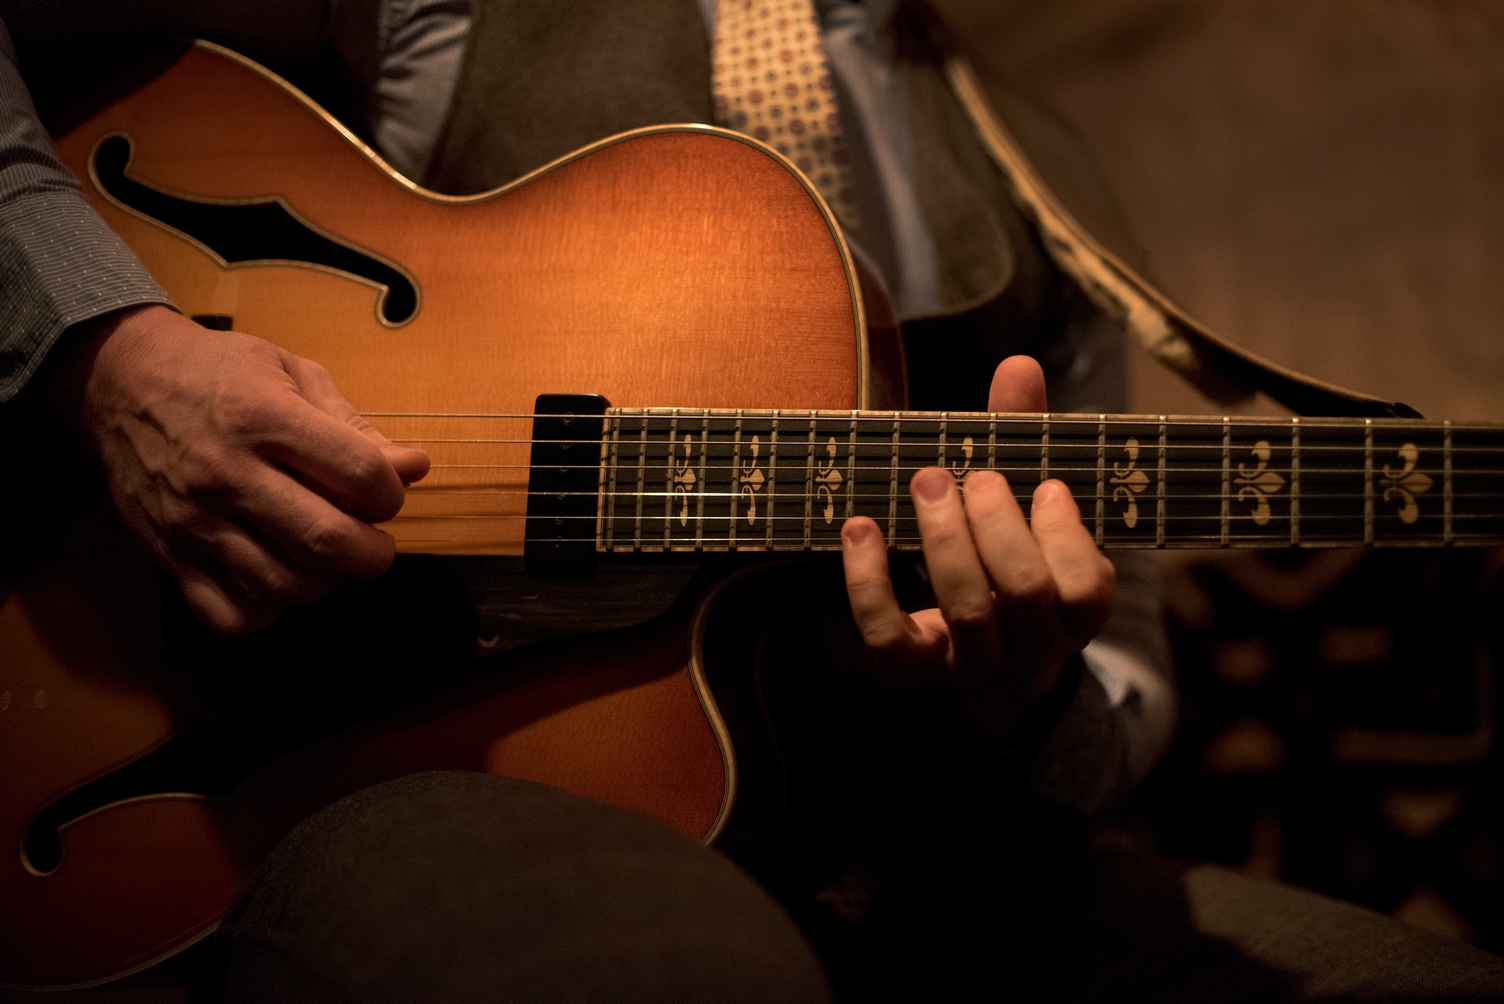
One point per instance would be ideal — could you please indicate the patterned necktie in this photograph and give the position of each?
(771, 81)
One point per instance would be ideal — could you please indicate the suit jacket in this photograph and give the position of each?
(1009, 195)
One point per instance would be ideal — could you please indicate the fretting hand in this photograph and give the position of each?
(1015, 599)
(238, 465)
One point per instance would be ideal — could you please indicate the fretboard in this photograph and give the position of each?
(694, 480)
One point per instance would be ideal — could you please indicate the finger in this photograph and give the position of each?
(335, 457)
(309, 531)
(315, 384)
(884, 626)
(284, 425)
(1083, 577)
(254, 572)
(213, 604)
(962, 589)
(410, 465)
(1022, 580)
(1017, 386)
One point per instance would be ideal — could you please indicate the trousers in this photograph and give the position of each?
(459, 887)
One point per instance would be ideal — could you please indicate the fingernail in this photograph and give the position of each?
(857, 530)
(931, 484)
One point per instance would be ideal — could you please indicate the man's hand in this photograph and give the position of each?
(1015, 600)
(238, 465)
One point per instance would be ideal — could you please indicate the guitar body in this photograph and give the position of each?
(677, 266)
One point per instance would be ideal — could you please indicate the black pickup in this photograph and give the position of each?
(563, 485)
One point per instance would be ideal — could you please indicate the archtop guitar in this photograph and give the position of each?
(651, 352)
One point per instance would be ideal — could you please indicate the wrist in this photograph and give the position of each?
(69, 374)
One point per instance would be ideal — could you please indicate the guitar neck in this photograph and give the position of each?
(671, 480)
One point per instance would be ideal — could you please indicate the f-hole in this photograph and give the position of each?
(259, 231)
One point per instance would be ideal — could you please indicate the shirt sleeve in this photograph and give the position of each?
(60, 264)
(1123, 714)
(405, 56)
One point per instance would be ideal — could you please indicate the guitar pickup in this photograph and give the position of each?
(563, 486)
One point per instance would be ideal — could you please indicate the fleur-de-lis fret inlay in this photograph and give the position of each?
(1130, 482)
(751, 481)
(1259, 483)
(828, 480)
(684, 482)
(960, 471)
(1406, 483)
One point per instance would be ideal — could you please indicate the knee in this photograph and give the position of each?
(451, 885)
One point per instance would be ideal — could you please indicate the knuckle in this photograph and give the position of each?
(946, 535)
(326, 540)
(1097, 585)
(212, 474)
(369, 467)
(972, 613)
(283, 583)
(1033, 585)
(883, 637)
(310, 368)
(1107, 570)
(246, 415)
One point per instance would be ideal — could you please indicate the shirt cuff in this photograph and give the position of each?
(1119, 721)
(60, 265)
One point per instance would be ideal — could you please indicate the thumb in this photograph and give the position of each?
(1017, 386)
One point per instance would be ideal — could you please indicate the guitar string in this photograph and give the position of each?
(883, 496)
(956, 466)
(876, 448)
(1087, 428)
(1084, 419)
(880, 515)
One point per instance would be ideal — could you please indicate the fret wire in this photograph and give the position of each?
(1226, 477)
(809, 483)
(1368, 481)
(992, 443)
(941, 458)
(1101, 475)
(668, 481)
(642, 470)
(1159, 529)
(893, 484)
(736, 465)
(615, 423)
(851, 469)
(1295, 482)
(1446, 484)
(700, 495)
(1044, 449)
(772, 481)
(600, 496)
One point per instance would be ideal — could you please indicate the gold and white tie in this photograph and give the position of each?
(771, 81)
